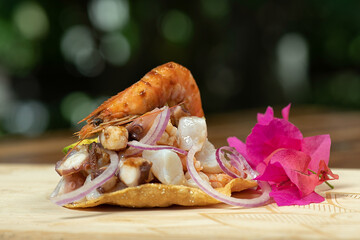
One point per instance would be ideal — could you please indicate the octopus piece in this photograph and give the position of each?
(97, 159)
(75, 161)
(106, 187)
(135, 171)
(69, 183)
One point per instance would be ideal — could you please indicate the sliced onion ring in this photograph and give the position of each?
(220, 155)
(81, 192)
(143, 146)
(205, 186)
(158, 127)
(155, 132)
(240, 158)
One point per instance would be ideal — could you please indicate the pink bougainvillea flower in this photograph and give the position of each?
(292, 164)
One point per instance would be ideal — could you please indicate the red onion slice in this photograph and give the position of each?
(81, 192)
(143, 146)
(220, 158)
(205, 186)
(240, 158)
(155, 132)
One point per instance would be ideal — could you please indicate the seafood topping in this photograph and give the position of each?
(207, 188)
(150, 131)
(106, 187)
(166, 166)
(207, 158)
(69, 183)
(135, 171)
(140, 126)
(114, 138)
(75, 161)
(155, 132)
(84, 190)
(136, 132)
(177, 113)
(192, 131)
(97, 158)
(143, 146)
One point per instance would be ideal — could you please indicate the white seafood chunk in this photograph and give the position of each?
(166, 166)
(207, 158)
(114, 138)
(191, 131)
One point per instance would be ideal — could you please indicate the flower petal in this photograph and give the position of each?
(272, 173)
(295, 165)
(291, 196)
(265, 139)
(324, 172)
(264, 119)
(285, 112)
(318, 148)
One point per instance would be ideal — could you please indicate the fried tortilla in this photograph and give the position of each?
(161, 195)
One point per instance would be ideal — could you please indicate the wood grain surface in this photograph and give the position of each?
(27, 213)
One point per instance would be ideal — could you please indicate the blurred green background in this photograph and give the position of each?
(60, 59)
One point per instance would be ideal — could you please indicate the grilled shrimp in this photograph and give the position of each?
(170, 84)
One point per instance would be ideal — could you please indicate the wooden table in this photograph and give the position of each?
(27, 213)
(27, 177)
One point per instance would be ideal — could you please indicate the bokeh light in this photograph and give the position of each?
(77, 40)
(115, 48)
(176, 26)
(77, 105)
(78, 47)
(89, 62)
(31, 20)
(109, 15)
(16, 53)
(292, 66)
(29, 118)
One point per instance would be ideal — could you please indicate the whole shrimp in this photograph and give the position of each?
(170, 84)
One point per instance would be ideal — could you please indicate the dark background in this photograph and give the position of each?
(60, 59)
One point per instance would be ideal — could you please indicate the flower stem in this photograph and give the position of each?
(331, 186)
